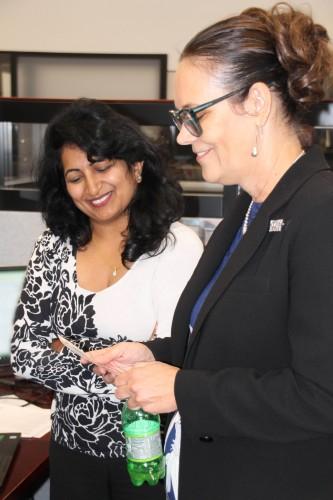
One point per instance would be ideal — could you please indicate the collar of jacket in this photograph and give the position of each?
(300, 173)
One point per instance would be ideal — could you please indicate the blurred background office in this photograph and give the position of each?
(106, 26)
(116, 51)
(108, 50)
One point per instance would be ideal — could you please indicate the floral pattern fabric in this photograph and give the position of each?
(86, 414)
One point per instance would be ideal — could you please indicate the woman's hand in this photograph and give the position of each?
(149, 386)
(56, 345)
(113, 360)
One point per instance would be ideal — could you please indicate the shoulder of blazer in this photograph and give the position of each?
(300, 173)
(306, 167)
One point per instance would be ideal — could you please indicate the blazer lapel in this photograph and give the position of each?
(214, 251)
(243, 253)
(294, 178)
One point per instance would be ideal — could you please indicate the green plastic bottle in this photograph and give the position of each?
(145, 460)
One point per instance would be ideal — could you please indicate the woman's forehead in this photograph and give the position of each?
(195, 83)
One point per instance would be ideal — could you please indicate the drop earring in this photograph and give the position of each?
(254, 150)
(138, 178)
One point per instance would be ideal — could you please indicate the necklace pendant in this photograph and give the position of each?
(114, 272)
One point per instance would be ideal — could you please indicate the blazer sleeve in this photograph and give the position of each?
(280, 405)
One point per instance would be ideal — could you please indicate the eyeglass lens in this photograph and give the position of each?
(189, 120)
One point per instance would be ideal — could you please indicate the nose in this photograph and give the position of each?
(92, 184)
(184, 137)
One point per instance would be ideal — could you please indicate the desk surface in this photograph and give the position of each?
(29, 469)
(30, 466)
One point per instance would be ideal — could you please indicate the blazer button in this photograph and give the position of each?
(206, 439)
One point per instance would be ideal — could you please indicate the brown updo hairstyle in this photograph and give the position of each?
(281, 47)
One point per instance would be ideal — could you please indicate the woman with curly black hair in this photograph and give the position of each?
(110, 267)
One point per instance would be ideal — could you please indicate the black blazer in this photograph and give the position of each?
(255, 393)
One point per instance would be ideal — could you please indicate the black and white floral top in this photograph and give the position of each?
(86, 415)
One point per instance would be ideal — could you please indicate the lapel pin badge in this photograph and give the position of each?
(276, 226)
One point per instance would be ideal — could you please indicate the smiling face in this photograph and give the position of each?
(102, 190)
(223, 149)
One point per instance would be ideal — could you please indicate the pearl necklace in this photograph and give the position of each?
(245, 225)
(246, 219)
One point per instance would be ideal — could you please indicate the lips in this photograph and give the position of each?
(201, 154)
(102, 200)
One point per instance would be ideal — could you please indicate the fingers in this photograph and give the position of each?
(133, 404)
(121, 382)
(149, 385)
(99, 356)
(100, 370)
(123, 392)
(108, 378)
(106, 373)
(122, 378)
(119, 357)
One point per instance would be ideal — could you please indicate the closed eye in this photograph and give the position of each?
(103, 168)
(201, 114)
(73, 179)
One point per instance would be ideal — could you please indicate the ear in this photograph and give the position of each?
(258, 102)
(137, 168)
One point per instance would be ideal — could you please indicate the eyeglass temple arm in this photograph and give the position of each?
(201, 107)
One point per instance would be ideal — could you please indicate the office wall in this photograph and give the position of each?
(137, 26)
(19, 231)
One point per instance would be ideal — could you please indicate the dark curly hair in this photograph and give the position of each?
(281, 47)
(103, 134)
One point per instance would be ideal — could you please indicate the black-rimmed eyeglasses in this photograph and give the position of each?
(188, 118)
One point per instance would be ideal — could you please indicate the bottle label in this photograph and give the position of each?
(143, 441)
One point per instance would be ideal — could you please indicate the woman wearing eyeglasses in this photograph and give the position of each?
(248, 372)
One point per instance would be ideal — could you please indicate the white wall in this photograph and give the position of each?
(134, 26)
(19, 231)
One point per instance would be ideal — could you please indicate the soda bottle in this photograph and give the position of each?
(145, 460)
